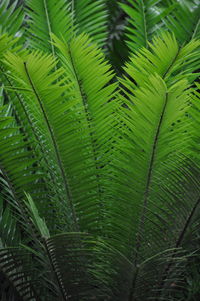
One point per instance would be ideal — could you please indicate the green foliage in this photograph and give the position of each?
(99, 156)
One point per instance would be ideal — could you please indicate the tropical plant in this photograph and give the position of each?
(99, 156)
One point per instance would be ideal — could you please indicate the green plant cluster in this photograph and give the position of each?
(99, 150)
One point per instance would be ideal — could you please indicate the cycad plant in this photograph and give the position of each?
(99, 153)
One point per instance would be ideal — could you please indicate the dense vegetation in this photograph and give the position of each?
(99, 150)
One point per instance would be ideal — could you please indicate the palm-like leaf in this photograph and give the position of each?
(68, 157)
(110, 209)
(46, 17)
(91, 18)
(165, 58)
(14, 180)
(44, 131)
(63, 18)
(154, 108)
(157, 270)
(184, 20)
(145, 18)
(93, 103)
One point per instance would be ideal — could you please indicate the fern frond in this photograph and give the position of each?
(158, 268)
(92, 108)
(145, 18)
(184, 20)
(75, 259)
(147, 130)
(14, 150)
(91, 18)
(33, 136)
(32, 71)
(46, 17)
(165, 58)
(85, 102)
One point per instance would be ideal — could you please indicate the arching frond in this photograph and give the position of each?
(32, 70)
(158, 269)
(13, 150)
(91, 18)
(145, 18)
(86, 101)
(92, 107)
(184, 20)
(148, 140)
(165, 58)
(46, 17)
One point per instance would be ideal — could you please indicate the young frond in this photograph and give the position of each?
(165, 58)
(147, 128)
(92, 106)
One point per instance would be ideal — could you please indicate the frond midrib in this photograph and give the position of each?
(146, 193)
(34, 132)
(57, 153)
(88, 119)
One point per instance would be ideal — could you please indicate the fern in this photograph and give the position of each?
(99, 174)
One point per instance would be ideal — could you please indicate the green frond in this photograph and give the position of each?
(46, 17)
(9, 231)
(86, 101)
(91, 105)
(14, 150)
(31, 71)
(157, 268)
(12, 18)
(7, 42)
(91, 18)
(165, 58)
(72, 256)
(184, 20)
(145, 18)
(18, 172)
(32, 135)
(148, 140)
